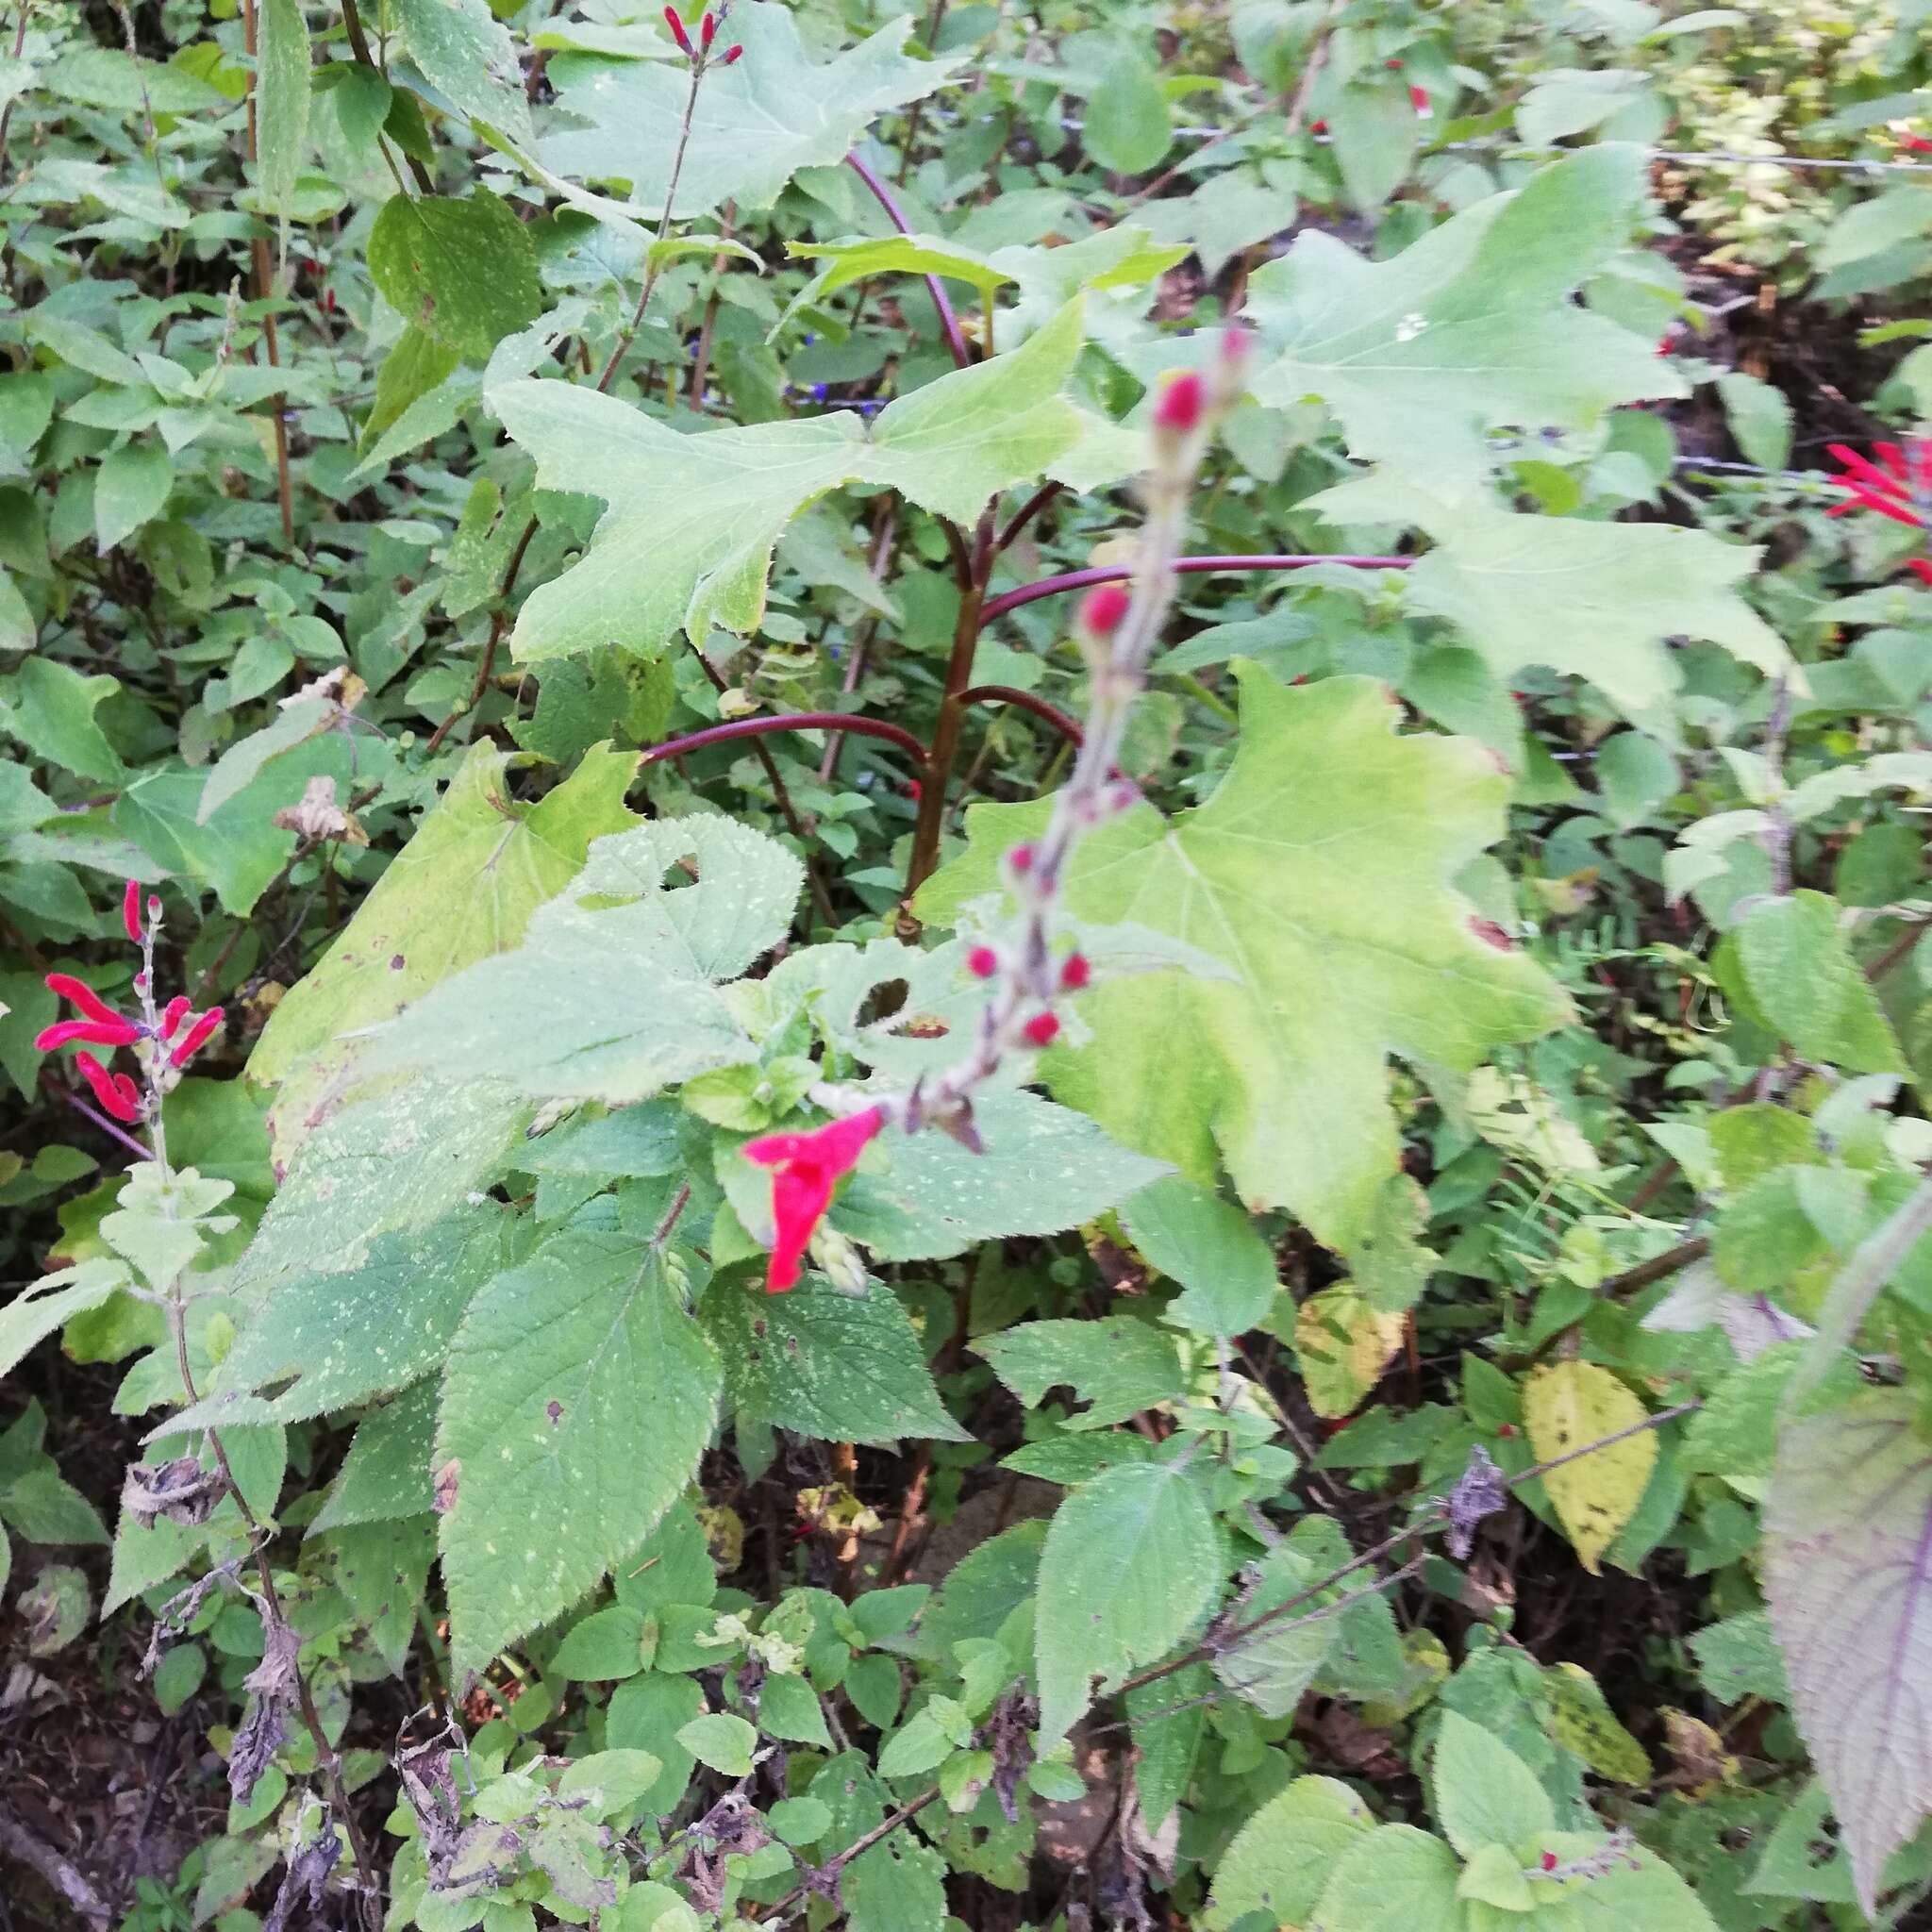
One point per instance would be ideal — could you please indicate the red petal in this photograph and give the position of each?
(192, 1041)
(85, 997)
(116, 1093)
(111, 1033)
(176, 1010)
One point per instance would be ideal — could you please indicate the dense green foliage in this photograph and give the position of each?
(1347, 1121)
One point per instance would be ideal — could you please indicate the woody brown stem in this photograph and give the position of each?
(264, 285)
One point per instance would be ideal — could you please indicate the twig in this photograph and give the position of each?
(1119, 573)
(1008, 694)
(28, 1849)
(826, 1877)
(787, 721)
(956, 341)
(1657, 1269)
(499, 623)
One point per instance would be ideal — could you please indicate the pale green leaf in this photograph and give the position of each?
(1128, 127)
(1118, 1365)
(757, 121)
(580, 1395)
(1226, 1271)
(1485, 1795)
(1320, 873)
(281, 92)
(1132, 1560)
(50, 708)
(841, 1367)
(1392, 1879)
(132, 489)
(1468, 328)
(721, 1741)
(612, 993)
(464, 273)
(37, 1311)
(1803, 980)
(1281, 1859)
(468, 59)
(686, 542)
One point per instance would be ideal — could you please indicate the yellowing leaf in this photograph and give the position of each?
(1583, 1723)
(1342, 1346)
(1567, 1407)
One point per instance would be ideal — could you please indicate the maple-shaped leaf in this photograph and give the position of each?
(687, 540)
(757, 121)
(1320, 874)
(1468, 329)
(1596, 599)
(1848, 1576)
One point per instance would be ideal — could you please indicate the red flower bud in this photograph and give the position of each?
(805, 1169)
(176, 1010)
(1916, 145)
(1419, 99)
(708, 31)
(154, 907)
(1493, 934)
(1506, 1431)
(674, 21)
(116, 1092)
(1182, 400)
(130, 910)
(1022, 857)
(731, 54)
(1075, 972)
(1104, 608)
(1042, 1029)
(195, 1038)
(83, 996)
(1319, 127)
(1549, 1861)
(96, 1032)
(914, 790)
(982, 962)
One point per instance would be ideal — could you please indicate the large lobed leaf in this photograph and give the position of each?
(686, 542)
(1320, 872)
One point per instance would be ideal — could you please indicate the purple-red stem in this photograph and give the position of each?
(1008, 694)
(107, 1126)
(789, 721)
(1119, 573)
(956, 340)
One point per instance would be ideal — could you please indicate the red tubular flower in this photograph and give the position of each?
(1896, 490)
(708, 31)
(116, 1092)
(675, 22)
(64, 986)
(1043, 1029)
(130, 910)
(1920, 569)
(1104, 608)
(96, 1032)
(1916, 145)
(195, 1038)
(805, 1169)
(1419, 99)
(176, 1010)
(731, 54)
(1182, 400)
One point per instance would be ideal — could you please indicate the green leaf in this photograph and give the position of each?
(1392, 1879)
(50, 708)
(1281, 1859)
(1320, 873)
(386, 1472)
(1132, 1560)
(789, 1708)
(131, 489)
(755, 122)
(107, 77)
(1127, 127)
(612, 1780)
(1468, 328)
(463, 888)
(1759, 416)
(1119, 1365)
(686, 542)
(464, 273)
(543, 1416)
(722, 1743)
(468, 59)
(611, 995)
(1226, 1271)
(1485, 1795)
(1638, 1888)
(281, 93)
(1803, 980)
(859, 257)
(601, 1646)
(1046, 1169)
(1847, 1528)
(841, 1367)
(1374, 126)
(1595, 600)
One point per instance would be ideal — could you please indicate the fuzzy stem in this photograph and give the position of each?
(1119, 573)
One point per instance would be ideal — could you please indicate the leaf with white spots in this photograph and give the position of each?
(385, 1474)
(614, 993)
(369, 1331)
(580, 1395)
(1848, 1576)
(842, 1367)
(1045, 1168)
